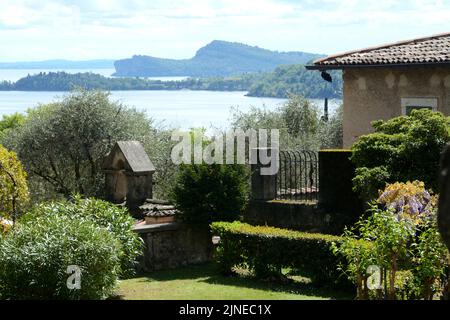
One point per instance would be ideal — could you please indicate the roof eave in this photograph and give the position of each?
(397, 65)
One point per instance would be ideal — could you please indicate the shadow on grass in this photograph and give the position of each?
(208, 273)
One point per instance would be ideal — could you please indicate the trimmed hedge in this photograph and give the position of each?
(266, 250)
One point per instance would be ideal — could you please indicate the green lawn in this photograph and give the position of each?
(205, 283)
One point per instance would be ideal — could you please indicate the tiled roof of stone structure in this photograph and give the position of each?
(135, 155)
(153, 208)
(430, 50)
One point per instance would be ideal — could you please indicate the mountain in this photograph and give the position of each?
(59, 64)
(219, 58)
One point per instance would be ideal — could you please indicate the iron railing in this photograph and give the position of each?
(298, 176)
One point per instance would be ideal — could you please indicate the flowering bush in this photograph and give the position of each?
(13, 185)
(409, 201)
(5, 226)
(403, 236)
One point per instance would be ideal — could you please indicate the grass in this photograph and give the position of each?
(204, 282)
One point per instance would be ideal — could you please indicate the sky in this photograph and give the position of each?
(34, 30)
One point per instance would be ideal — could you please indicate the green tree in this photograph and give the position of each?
(402, 149)
(10, 122)
(331, 131)
(206, 193)
(63, 144)
(299, 123)
(13, 185)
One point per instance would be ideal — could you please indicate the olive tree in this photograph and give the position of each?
(299, 122)
(62, 145)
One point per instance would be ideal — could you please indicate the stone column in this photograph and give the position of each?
(336, 172)
(263, 187)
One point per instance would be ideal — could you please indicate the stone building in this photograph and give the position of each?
(128, 174)
(390, 80)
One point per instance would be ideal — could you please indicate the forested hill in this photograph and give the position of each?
(219, 58)
(62, 81)
(285, 80)
(295, 79)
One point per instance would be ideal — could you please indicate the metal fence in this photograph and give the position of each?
(298, 176)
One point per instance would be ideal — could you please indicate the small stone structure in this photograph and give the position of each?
(128, 174)
(167, 243)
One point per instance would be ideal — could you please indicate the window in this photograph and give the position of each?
(410, 104)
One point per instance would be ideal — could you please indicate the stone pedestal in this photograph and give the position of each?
(264, 187)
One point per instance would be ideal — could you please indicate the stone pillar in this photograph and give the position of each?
(336, 172)
(444, 197)
(263, 187)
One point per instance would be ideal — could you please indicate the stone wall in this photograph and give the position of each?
(306, 217)
(375, 93)
(338, 205)
(174, 245)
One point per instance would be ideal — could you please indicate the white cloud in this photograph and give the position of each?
(83, 29)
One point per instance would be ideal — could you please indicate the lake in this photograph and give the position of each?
(183, 109)
(15, 74)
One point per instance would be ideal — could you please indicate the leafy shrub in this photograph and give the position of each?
(103, 214)
(402, 149)
(36, 254)
(369, 181)
(266, 250)
(403, 236)
(430, 259)
(205, 193)
(13, 185)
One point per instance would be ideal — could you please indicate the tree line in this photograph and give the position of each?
(281, 83)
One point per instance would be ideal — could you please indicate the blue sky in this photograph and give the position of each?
(90, 29)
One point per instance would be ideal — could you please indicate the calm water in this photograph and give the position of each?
(183, 109)
(15, 74)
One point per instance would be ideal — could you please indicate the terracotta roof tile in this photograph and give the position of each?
(430, 50)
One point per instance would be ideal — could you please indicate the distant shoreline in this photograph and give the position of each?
(263, 85)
